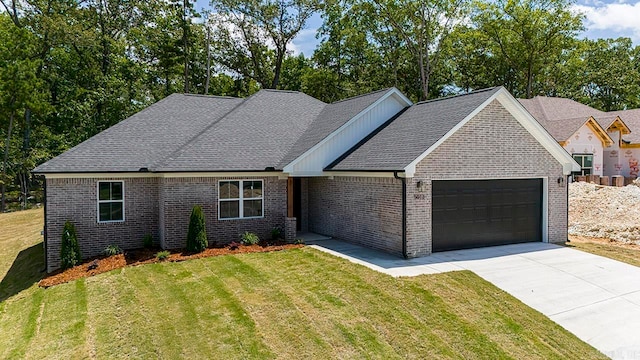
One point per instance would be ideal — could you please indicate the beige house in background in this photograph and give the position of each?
(603, 143)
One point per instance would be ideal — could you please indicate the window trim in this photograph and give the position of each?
(241, 199)
(98, 201)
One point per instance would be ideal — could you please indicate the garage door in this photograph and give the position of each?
(479, 213)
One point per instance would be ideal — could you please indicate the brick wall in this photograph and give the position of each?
(363, 210)
(76, 200)
(179, 195)
(491, 145)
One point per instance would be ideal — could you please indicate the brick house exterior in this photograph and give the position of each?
(342, 171)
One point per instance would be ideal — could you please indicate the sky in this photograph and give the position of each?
(603, 19)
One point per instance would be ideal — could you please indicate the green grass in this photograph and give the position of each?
(629, 255)
(289, 304)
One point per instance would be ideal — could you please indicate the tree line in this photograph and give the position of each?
(72, 68)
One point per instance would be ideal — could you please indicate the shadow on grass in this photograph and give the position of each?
(25, 271)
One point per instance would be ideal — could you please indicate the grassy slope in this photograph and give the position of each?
(290, 304)
(628, 255)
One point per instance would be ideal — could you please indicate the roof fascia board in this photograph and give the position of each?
(619, 120)
(393, 91)
(605, 139)
(524, 118)
(355, 173)
(129, 175)
(411, 168)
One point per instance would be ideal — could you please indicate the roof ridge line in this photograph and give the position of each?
(361, 95)
(210, 96)
(457, 95)
(164, 161)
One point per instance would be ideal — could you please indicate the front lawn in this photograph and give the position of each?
(290, 304)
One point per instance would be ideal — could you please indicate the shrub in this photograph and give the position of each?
(276, 233)
(147, 241)
(70, 251)
(197, 235)
(234, 246)
(162, 255)
(249, 238)
(299, 241)
(112, 250)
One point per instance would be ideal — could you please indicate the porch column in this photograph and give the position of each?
(290, 221)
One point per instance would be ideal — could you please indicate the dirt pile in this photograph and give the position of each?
(605, 211)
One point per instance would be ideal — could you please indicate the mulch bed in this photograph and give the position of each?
(137, 257)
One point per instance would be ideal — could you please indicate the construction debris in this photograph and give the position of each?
(605, 211)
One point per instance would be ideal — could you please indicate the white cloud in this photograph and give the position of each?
(618, 19)
(305, 42)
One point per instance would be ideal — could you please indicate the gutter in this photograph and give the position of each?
(404, 214)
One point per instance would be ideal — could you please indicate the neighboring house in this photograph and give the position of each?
(463, 171)
(603, 143)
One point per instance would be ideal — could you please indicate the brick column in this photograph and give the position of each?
(290, 229)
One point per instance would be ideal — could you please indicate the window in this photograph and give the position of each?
(586, 163)
(240, 199)
(110, 201)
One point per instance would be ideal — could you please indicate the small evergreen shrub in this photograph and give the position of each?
(162, 255)
(70, 251)
(249, 238)
(112, 250)
(276, 233)
(197, 235)
(147, 241)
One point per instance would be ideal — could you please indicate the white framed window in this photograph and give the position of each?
(240, 199)
(110, 201)
(586, 163)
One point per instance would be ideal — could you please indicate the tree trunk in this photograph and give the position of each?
(6, 161)
(185, 45)
(206, 84)
(276, 73)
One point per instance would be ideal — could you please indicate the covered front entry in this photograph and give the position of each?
(476, 213)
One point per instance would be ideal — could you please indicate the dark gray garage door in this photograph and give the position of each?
(479, 213)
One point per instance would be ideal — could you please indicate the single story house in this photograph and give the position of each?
(603, 143)
(463, 171)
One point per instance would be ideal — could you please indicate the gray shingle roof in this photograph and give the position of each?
(329, 120)
(145, 138)
(257, 134)
(632, 119)
(404, 138)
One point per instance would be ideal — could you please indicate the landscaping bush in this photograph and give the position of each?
(112, 250)
(197, 235)
(70, 251)
(249, 238)
(276, 233)
(147, 241)
(162, 255)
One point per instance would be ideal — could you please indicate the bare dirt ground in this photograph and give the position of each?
(605, 212)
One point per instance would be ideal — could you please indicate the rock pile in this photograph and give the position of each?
(605, 211)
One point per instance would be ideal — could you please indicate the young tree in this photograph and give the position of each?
(197, 235)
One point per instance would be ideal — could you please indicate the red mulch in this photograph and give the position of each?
(147, 256)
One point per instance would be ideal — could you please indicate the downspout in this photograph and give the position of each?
(566, 182)
(404, 213)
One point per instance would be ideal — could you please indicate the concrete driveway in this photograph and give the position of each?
(595, 298)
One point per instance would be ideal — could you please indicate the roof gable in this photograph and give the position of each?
(422, 128)
(353, 128)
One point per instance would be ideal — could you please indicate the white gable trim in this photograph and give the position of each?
(524, 118)
(290, 168)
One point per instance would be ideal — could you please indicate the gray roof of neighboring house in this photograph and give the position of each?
(145, 138)
(559, 116)
(329, 120)
(188, 133)
(406, 137)
(632, 119)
